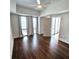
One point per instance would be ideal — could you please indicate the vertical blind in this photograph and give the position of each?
(55, 25)
(30, 25)
(24, 24)
(27, 25)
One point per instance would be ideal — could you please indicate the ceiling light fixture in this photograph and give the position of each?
(48, 17)
(39, 6)
(38, 1)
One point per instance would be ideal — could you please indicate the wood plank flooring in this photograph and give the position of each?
(39, 47)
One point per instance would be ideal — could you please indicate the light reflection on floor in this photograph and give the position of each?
(54, 41)
(25, 43)
(24, 32)
(34, 41)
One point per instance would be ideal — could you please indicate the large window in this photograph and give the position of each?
(24, 25)
(35, 25)
(55, 25)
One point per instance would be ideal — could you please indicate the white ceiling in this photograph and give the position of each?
(31, 3)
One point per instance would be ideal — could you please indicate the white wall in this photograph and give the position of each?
(11, 44)
(45, 26)
(64, 27)
(24, 10)
(13, 6)
(14, 25)
(56, 7)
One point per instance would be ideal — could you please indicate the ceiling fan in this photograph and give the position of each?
(39, 4)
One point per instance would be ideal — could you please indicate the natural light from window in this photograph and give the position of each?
(24, 25)
(35, 25)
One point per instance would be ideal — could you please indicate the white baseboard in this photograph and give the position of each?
(17, 36)
(20, 36)
(61, 39)
(46, 35)
(11, 46)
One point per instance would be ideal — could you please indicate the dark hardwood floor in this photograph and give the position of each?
(39, 47)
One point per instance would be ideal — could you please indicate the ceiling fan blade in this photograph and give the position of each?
(45, 3)
(32, 5)
(38, 2)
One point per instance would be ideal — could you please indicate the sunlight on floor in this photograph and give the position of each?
(54, 40)
(25, 43)
(34, 41)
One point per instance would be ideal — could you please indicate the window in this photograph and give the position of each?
(34, 25)
(24, 25)
(55, 25)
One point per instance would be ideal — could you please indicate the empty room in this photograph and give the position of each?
(39, 29)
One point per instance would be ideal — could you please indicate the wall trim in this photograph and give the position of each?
(61, 39)
(56, 13)
(17, 36)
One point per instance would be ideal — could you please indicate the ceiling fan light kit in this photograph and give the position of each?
(39, 6)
